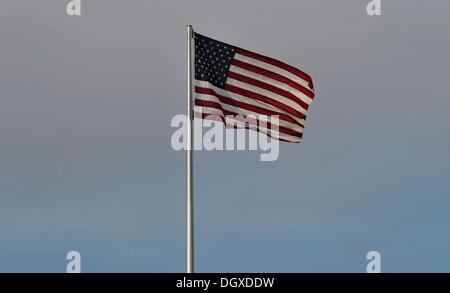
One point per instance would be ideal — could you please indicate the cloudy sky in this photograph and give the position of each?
(86, 163)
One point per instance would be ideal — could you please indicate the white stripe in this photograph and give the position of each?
(245, 112)
(273, 82)
(274, 69)
(250, 101)
(275, 134)
(266, 93)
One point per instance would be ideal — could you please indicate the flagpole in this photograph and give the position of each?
(189, 153)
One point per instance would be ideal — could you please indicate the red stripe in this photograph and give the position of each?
(274, 76)
(268, 87)
(213, 117)
(277, 63)
(259, 97)
(252, 121)
(232, 102)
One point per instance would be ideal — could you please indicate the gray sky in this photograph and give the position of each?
(86, 163)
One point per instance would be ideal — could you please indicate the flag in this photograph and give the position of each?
(231, 81)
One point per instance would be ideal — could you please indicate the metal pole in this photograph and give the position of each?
(189, 151)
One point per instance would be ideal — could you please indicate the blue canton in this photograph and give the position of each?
(212, 60)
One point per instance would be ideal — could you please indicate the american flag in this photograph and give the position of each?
(233, 81)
